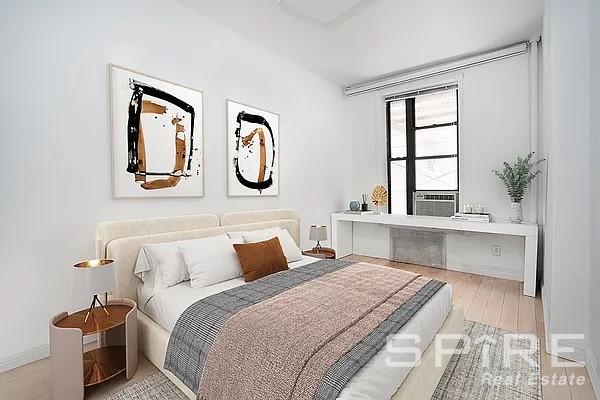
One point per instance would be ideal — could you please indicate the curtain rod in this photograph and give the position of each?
(443, 68)
(415, 93)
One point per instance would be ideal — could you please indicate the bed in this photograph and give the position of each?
(158, 314)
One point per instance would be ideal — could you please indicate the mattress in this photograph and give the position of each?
(380, 378)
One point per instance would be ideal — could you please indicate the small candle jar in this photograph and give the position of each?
(467, 208)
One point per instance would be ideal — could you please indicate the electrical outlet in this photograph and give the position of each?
(496, 250)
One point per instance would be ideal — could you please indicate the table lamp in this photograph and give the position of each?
(94, 277)
(317, 233)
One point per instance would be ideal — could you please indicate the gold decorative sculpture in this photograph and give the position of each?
(379, 196)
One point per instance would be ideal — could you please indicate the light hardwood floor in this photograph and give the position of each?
(496, 302)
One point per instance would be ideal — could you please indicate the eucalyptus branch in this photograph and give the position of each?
(517, 177)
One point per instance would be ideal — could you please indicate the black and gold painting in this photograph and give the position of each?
(157, 137)
(253, 148)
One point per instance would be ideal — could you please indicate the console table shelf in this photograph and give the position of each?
(342, 232)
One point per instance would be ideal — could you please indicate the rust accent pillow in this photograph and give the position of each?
(261, 258)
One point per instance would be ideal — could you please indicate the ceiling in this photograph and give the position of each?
(350, 41)
(324, 12)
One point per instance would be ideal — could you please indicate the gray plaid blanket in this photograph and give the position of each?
(199, 326)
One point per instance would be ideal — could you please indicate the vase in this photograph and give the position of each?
(516, 212)
(354, 205)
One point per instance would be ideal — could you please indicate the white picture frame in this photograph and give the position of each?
(157, 136)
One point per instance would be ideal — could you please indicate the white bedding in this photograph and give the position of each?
(376, 380)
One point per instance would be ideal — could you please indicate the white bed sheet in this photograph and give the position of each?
(378, 379)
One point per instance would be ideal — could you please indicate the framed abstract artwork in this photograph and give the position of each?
(253, 151)
(157, 137)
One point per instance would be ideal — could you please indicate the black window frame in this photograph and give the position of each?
(411, 158)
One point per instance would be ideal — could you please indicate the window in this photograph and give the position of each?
(422, 145)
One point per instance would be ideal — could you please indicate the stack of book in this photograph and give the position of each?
(359, 212)
(472, 217)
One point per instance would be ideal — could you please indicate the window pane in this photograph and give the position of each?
(436, 141)
(398, 186)
(436, 108)
(437, 174)
(398, 129)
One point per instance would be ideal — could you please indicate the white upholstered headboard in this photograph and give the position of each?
(250, 217)
(112, 230)
(121, 240)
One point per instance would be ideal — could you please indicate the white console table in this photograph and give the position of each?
(342, 232)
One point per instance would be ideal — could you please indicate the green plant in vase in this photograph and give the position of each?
(517, 178)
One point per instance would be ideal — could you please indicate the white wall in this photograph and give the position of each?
(567, 146)
(56, 152)
(545, 202)
(594, 328)
(493, 127)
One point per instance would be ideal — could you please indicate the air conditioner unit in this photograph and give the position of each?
(435, 204)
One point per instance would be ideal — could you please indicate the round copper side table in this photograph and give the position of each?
(72, 368)
(323, 252)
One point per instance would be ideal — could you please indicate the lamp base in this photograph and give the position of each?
(318, 248)
(94, 301)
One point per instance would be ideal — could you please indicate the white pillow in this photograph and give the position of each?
(142, 266)
(144, 271)
(211, 260)
(161, 265)
(291, 251)
(238, 235)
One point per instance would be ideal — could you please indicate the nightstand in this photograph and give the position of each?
(73, 369)
(324, 252)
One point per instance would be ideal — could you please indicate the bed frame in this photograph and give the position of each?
(121, 241)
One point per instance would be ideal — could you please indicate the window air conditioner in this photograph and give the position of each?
(435, 204)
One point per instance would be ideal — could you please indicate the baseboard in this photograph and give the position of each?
(25, 357)
(579, 350)
(592, 366)
(546, 309)
(31, 355)
(491, 271)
